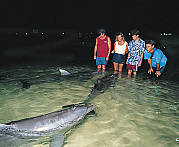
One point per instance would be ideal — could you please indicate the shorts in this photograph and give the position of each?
(132, 67)
(118, 58)
(101, 61)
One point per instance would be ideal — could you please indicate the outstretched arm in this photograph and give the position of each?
(150, 64)
(158, 70)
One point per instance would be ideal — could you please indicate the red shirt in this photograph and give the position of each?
(102, 47)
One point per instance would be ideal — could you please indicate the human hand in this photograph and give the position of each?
(157, 73)
(107, 58)
(94, 57)
(139, 64)
(150, 71)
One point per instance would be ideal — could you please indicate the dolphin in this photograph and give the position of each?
(100, 85)
(47, 124)
(63, 72)
(25, 84)
(63, 75)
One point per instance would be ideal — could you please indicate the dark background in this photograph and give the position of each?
(90, 14)
(39, 31)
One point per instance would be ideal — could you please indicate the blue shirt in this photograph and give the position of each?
(135, 49)
(158, 57)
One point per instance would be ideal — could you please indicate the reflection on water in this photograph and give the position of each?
(129, 112)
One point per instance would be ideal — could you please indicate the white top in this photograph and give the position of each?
(120, 49)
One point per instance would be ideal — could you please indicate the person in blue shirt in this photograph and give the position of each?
(156, 59)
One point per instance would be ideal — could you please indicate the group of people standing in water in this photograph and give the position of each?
(135, 51)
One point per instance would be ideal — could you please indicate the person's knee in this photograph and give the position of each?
(98, 66)
(129, 71)
(115, 66)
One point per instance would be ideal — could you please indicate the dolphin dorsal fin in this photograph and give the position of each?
(63, 72)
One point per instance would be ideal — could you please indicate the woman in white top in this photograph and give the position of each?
(120, 49)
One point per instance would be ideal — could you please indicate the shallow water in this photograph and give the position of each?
(129, 113)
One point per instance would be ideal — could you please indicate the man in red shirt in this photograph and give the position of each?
(102, 50)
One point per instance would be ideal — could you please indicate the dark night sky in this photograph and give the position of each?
(155, 16)
(89, 14)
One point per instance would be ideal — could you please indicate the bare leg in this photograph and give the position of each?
(115, 67)
(103, 68)
(115, 72)
(129, 73)
(120, 68)
(99, 67)
(135, 73)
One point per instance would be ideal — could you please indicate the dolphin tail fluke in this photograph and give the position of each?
(63, 72)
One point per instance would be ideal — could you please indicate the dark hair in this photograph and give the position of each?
(102, 31)
(150, 42)
(135, 32)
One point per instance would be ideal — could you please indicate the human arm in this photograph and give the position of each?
(142, 50)
(126, 49)
(95, 49)
(114, 48)
(150, 64)
(140, 63)
(158, 57)
(127, 58)
(158, 70)
(109, 46)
